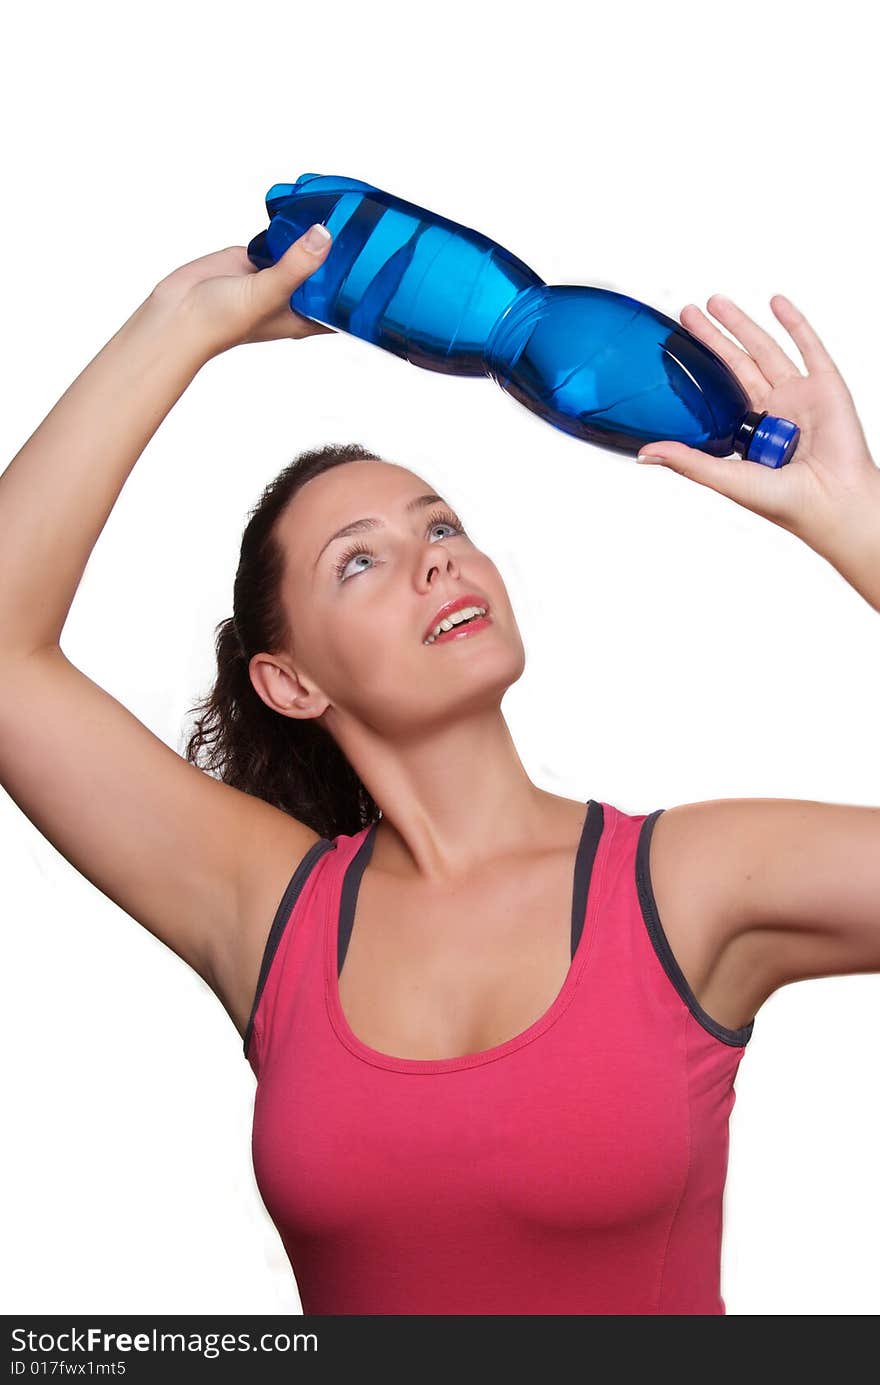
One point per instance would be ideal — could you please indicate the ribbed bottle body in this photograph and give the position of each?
(613, 371)
(397, 275)
(595, 363)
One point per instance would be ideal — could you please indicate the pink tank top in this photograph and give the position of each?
(579, 1167)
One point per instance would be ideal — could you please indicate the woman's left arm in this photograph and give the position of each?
(805, 873)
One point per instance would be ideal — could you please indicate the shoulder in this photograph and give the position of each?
(695, 864)
(280, 860)
(698, 849)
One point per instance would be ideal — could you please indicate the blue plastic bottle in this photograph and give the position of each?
(592, 362)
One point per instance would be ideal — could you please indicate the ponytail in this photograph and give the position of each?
(290, 762)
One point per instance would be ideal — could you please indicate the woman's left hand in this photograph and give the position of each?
(832, 469)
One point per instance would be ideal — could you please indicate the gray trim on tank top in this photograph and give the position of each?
(594, 817)
(282, 915)
(651, 916)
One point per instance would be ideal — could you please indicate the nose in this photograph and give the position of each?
(435, 562)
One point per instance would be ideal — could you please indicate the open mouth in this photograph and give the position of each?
(463, 625)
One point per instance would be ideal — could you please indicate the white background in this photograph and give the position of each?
(680, 648)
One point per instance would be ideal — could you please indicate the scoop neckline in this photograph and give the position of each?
(341, 913)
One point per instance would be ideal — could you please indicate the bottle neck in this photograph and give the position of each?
(746, 433)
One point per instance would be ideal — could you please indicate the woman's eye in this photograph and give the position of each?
(346, 559)
(446, 519)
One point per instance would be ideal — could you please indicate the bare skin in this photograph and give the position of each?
(419, 980)
(462, 936)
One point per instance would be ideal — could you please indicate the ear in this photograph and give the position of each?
(284, 689)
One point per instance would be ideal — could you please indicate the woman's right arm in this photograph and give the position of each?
(183, 854)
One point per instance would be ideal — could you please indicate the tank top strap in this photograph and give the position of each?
(634, 962)
(292, 957)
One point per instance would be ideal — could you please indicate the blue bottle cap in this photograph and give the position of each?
(773, 442)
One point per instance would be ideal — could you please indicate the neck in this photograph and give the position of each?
(454, 796)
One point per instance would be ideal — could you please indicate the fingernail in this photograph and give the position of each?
(316, 237)
(649, 457)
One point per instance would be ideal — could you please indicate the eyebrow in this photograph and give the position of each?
(358, 526)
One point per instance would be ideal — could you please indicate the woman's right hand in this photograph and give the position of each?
(231, 302)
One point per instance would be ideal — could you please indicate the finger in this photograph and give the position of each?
(285, 322)
(298, 326)
(748, 483)
(275, 284)
(746, 370)
(238, 261)
(776, 366)
(815, 356)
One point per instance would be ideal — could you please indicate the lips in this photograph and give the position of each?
(469, 599)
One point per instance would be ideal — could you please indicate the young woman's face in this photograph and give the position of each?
(360, 604)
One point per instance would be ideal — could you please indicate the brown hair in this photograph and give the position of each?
(292, 763)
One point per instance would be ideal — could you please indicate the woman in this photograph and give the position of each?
(513, 1097)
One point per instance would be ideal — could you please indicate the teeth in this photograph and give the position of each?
(457, 618)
